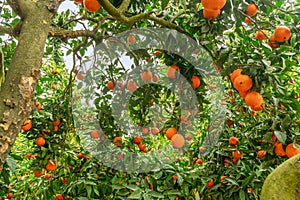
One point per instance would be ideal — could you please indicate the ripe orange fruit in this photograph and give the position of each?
(78, 1)
(9, 195)
(291, 151)
(155, 131)
(59, 197)
(40, 141)
(38, 105)
(110, 85)
(137, 139)
(272, 42)
(235, 74)
(172, 71)
(210, 183)
(254, 100)
(80, 156)
(37, 173)
(195, 81)
(55, 128)
(261, 35)
(53, 87)
(248, 21)
(199, 161)
(56, 123)
(95, 134)
(278, 150)
(117, 141)
(131, 86)
(64, 180)
(243, 94)
(79, 76)
(237, 154)
(28, 155)
(171, 132)
(145, 130)
(155, 78)
(223, 177)
(141, 146)
(51, 166)
(211, 14)
(251, 10)
(146, 75)
(26, 125)
(213, 4)
(282, 34)
(261, 153)
(156, 53)
(233, 141)
(242, 83)
(47, 176)
(131, 39)
(91, 5)
(177, 141)
(174, 178)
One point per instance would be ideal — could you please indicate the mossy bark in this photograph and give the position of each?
(284, 182)
(18, 90)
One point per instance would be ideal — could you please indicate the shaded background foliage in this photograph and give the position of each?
(232, 45)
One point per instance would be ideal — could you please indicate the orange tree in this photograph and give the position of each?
(237, 35)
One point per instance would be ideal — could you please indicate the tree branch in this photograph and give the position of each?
(124, 6)
(63, 34)
(166, 23)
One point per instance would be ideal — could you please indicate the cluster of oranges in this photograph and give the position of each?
(281, 34)
(290, 150)
(172, 70)
(250, 11)
(90, 5)
(243, 84)
(212, 8)
(177, 139)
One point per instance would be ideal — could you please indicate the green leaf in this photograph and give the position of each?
(164, 4)
(156, 194)
(280, 136)
(137, 194)
(11, 163)
(242, 194)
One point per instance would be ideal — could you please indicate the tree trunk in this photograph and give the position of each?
(18, 90)
(284, 182)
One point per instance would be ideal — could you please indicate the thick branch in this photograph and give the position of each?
(166, 23)
(62, 33)
(124, 6)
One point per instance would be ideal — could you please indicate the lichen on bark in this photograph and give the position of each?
(284, 182)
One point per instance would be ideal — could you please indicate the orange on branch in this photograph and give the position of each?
(261, 34)
(211, 14)
(40, 141)
(172, 71)
(177, 141)
(213, 4)
(195, 82)
(171, 132)
(91, 5)
(26, 125)
(291, 151)
(254, 100)
(242, 83)
(251, 10)
(235, 74)
(282, 34)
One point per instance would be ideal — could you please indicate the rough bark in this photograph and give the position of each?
(284, 182)
(17, 92)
